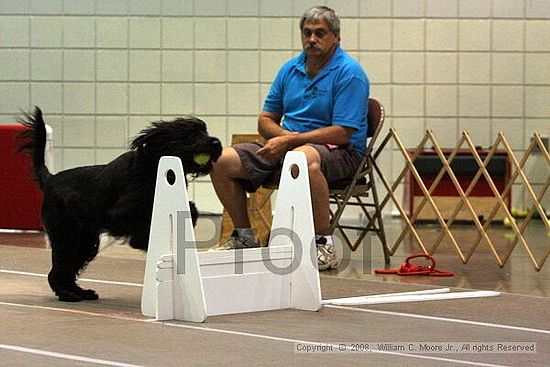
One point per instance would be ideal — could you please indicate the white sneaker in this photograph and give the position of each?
(326, 255)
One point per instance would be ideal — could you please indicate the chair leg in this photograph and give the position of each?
(374, 222)
(378, 218)
(382, 236)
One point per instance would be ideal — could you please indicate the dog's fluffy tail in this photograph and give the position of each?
(34, 142)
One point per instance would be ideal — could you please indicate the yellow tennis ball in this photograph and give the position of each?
(201, 158)
(519, 213)
(507, 222)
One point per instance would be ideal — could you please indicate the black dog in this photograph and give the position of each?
(116, 198)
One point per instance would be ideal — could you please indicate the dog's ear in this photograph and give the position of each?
(163, 138)
(169, 133)
(184, 137)
(140, 141)
(192, 120)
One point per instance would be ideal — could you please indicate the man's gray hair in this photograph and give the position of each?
(318, 13)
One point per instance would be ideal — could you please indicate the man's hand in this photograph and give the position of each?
(276, 147)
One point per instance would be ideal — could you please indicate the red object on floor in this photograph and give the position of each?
(407, 268)
(20, 196)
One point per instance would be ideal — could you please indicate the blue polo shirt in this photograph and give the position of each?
(338, 95)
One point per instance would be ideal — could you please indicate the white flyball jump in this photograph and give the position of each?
(182, 283)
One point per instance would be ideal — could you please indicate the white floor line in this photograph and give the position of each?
(289, 340)
(80, 279)
(356, 309)
(23, 273)
(70, 357)
(245, 334)
(77, 312)
(444, 319)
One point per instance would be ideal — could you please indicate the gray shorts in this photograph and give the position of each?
(336, 164)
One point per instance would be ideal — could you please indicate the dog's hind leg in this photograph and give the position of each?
(71, 251)
(62, 277)
(88, 246)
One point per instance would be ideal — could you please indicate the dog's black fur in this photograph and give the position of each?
(117, 198)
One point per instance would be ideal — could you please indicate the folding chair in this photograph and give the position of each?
(360, 191)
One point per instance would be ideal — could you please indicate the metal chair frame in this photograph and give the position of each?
(361, 190)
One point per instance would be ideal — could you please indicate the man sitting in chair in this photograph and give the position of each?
(320, 97)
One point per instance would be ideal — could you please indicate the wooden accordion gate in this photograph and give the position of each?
(465, 202)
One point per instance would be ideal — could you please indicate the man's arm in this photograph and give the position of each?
(269, 125)
(277, 146)
(336, 135)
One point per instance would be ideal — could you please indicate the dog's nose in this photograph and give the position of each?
(216, 143)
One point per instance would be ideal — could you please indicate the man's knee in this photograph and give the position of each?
(313, 157)
(227, 161)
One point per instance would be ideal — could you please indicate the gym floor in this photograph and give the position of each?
(38, 330)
